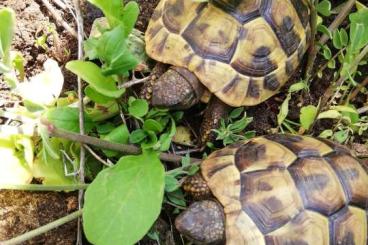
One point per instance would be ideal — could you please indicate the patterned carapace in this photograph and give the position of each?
(284, 189)
(242, 51)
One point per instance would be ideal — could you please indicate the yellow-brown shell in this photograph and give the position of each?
(243, 55)
(283, 189)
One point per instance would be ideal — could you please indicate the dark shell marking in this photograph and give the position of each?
(324, 190)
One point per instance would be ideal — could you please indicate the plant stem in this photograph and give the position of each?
(336, 23)
(36, 187)
(104, 144)
(43, 229)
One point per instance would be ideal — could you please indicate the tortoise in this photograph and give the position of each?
(242, 51)
(279, 189)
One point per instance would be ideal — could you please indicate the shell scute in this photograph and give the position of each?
(318, 185)
(270, 198)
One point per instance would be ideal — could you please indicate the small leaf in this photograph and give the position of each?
(284, 110)
(137, 136)
(96, 96)
(123, 201)
(324, 8)
(341, 136)
(152, 125)
(68, 118)
(307, 116)
(296, 87)
(326, 133)
(118, 135)
(92, 74)
(129, 16)
(138, 108)
(171, 184)
(236, 113)
(7, 20)
(331, 114)
(323, 29)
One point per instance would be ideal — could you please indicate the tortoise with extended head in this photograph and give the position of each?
(242, 51)
(279, 189)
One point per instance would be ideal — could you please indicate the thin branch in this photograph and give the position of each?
(133, 82)
(58, 18)
(43, 229)
(358, 88)
(95, 155)
(82, 154)
(330, 90)
(60, 4)
(334, 25)
(104, 144)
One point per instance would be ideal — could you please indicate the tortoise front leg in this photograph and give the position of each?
(212, 118)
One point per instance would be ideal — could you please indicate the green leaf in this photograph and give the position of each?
(331, 114)
(92, 74)
(284, 110)
(7, 26)
(96, 96)
(296, 87)
(137, 136)
(307, 116)
(327, 52)
(171, 183)
(118, 135)
(130, 16)
(67, 118)
(358, 29)
(236, 113)
(324, 8)
(165, 139)
(51, 170)
(152, 125)
(101, 112)
(112, 9)
(341, 136)
(138, 108)
(123, 202)
(324, 29)
(326, 133)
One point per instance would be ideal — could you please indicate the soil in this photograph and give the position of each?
(21, 211)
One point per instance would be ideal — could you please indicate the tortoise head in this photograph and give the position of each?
(177, 88)
(203, 222)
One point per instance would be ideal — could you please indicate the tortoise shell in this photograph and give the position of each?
(283, 189)
(243, 54)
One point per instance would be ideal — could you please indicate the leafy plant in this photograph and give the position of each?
(231, 128)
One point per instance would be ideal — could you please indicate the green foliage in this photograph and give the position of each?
(231, 128)
(7, 20)
(120, 135)
(138, 108)
(68, 118)
(307, 116)
(92, 74)
(123, 201)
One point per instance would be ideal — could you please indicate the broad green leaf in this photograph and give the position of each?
(44, 88)
(7, 26)
(307, 116)
(359, 29)
(96, 96)
(324, 29)
(326, 133)
(342, 108)
(118, 135)
(165, 139)
(138, 108)
(67, 118)
(92, 74)
(123, 201)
